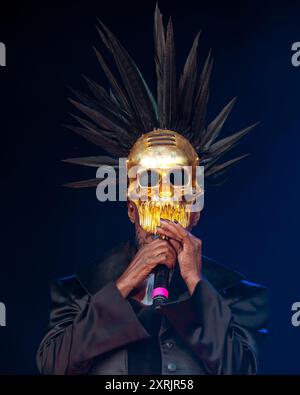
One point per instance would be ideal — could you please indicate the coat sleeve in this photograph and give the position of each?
(78, 334)
(225, 333)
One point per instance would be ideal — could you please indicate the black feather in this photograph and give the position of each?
(84, 183)
(104, 118)
(169, 105)
(93, 161)
(214, 128)
(187, 86)
(200, 103)
(106, 99)
(91, 183)
(224, 145)
(219, 169)
(117, 88)
(138, 92)
(123, 141)
(159, 57)
(96, 138)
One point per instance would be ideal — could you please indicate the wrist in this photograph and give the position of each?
(123, 287)
(192, 281)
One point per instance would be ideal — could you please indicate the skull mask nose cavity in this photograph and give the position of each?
(165, 188)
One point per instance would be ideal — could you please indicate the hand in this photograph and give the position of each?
(147, 258)
(188, 249)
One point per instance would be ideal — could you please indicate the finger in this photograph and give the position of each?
(168, 261)
(157, 246)
(176, 245)
(165, 249)
(159, 241)
(180, 230)
(164, 244)
(155, 260)
(188, 236)
(155, 242)
(176, 229)
(166, 232)
(170, 257)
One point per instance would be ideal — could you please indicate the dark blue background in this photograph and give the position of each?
(251, 223)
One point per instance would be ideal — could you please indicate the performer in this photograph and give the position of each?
(102, 320)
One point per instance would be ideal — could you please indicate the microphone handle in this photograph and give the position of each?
(161, 281)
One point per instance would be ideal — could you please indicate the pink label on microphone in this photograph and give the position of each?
(160, 291)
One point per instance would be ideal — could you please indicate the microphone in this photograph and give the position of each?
(160, 292)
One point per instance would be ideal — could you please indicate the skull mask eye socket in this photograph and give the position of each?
(149, 178)
(179, 177)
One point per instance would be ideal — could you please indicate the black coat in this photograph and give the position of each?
(219, 330)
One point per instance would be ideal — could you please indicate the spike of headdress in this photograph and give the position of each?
(115, 119)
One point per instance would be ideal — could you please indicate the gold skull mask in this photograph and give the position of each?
(161, 167)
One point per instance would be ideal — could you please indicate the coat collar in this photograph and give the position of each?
(113, 264)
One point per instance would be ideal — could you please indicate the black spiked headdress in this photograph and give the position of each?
(115, 119)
